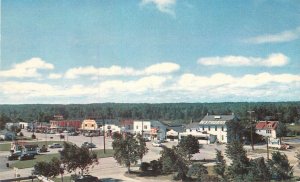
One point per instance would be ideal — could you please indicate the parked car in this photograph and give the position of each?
(26, 157)
(13, 156)
(73, 134)
(157, 144)
(55, 145)
(88, 145)
(86, 178)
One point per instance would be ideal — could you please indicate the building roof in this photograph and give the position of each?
(216, 119)
(263, 125)
(192, 125)
(176, 128)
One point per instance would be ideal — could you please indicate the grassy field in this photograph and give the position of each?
(294, 127)
(48, 157)
(6, 146)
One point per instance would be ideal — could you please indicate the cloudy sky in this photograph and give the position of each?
(88, 51)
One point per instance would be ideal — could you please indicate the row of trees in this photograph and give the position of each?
(244, 169)
(180, 112)
(72, 159)
(177, 160)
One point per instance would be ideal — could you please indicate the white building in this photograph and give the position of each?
(267, 128)
(23, 125)
(193, 129)
(215, 125)
(142, 127)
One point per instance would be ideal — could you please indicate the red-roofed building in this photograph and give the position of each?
(59, 124)
(267, 128)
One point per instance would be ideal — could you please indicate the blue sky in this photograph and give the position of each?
(71, 51)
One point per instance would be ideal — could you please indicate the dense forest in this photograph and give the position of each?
(175, 112)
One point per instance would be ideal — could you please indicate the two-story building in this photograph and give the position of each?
(215, 125)
(60, 124)
(266, 128)
(142, 127)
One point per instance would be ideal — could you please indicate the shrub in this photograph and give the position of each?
(144, 166)
(33, 136)
(156, 166)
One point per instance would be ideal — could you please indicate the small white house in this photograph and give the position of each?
(266, 128)
(215, 125)
(193, 129)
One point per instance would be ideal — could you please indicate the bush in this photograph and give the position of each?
(33, 136)
(144, 166)
(21, 134)
(156, 166)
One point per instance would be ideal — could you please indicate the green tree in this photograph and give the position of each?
(126, 150)
(281, 130)
(199, 171)
(189, 145)
(3, 120)
(142, 146)
(258, 170)
(238, 169)
(220, 167)
(280, 167)
(235, 130)
(173, 160)
(75, 157)
(48, 169)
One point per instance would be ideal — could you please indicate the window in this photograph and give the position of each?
(137, 127)
(92, 125)
(222, 129)
(85, 124)
(208, 128)
(202, 128)
(145, 127)
(222, 137)
(216, 128)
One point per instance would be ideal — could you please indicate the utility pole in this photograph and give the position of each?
(252, 145)
(142, 128)
(267, 148)
(103, 125)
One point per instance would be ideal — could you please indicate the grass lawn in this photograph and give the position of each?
(48, 157)
(6, 146)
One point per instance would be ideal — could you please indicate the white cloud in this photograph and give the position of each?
(273, 60)
(27, 69)
(54, 76)
(224, 87)
(191, 82)
(218, 87)
(104, 89)
(160, 68)
(165, 6)
(285, 36)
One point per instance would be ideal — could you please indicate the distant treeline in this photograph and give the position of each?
(175, 112)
